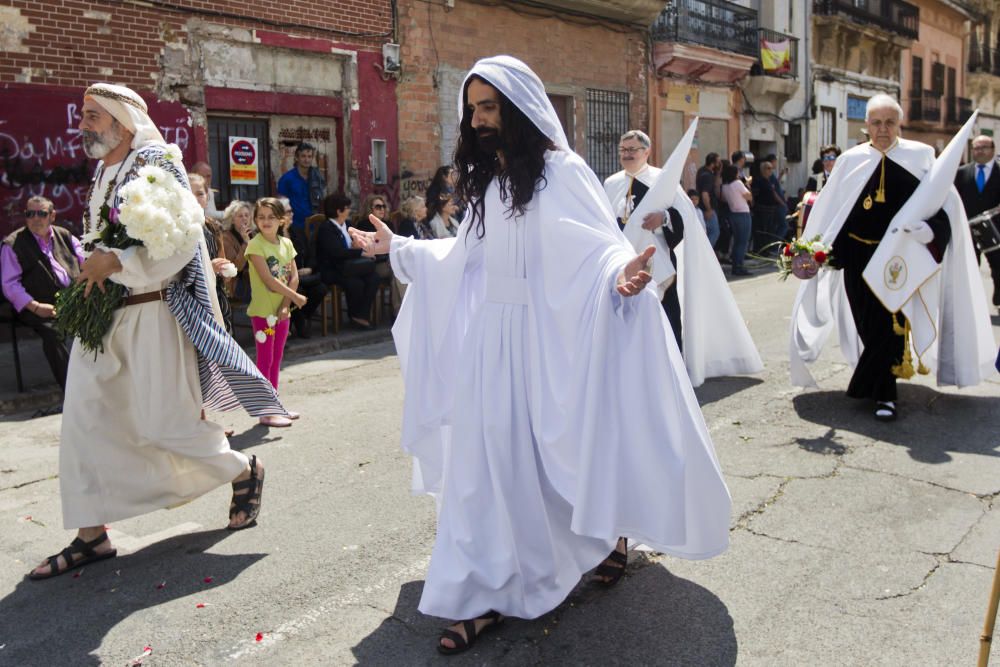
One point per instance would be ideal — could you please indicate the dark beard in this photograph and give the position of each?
(488, 142)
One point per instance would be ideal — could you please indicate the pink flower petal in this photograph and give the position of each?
(200, 605)
(260, 636)
(207, 580)
(160, 586)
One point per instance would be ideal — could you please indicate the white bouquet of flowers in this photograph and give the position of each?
(156, 212)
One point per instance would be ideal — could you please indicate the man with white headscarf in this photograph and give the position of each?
(132, 438)
(944, 326)
(566, 420)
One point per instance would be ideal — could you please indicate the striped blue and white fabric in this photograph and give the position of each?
(229, 378)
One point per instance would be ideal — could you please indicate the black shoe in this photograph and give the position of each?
(996, 294)
(885, 411)
(301, 324)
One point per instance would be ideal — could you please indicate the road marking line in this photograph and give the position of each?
(293, 627)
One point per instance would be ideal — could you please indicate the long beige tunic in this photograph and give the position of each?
(132, 437)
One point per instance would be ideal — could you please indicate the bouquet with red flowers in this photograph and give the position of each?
(803, 258)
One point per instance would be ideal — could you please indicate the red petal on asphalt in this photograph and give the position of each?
(161, 585)
(207, 580)
(260, 636)
(200, 605)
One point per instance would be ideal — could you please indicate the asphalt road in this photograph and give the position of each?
(853, 542)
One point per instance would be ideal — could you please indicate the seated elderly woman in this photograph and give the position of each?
(412, 219)
(339, 263)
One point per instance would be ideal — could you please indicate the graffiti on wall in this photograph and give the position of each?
(41, 152)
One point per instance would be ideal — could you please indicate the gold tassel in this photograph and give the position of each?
(880, 192)
(905, 370)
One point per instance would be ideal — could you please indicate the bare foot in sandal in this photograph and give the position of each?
(456, 639)
(91, 545)
(247, 491)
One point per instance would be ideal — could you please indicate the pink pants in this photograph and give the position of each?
(269, 352)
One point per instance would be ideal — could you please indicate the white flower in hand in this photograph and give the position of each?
(228, 270)
(261, 337)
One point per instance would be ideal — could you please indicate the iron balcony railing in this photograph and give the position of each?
(958, 110)
(894, 16)
(984, 60)
(925, 106)
(778, 56)
(714, 23)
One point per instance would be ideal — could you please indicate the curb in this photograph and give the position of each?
(49, 397)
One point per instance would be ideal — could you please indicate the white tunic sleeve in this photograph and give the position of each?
(140, 271)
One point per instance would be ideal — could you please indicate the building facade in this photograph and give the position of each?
(274, 72)
(592, 57)
(856, 52)
(982, 84)
(934, 74)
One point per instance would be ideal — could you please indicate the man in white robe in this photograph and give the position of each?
(564, 420)
(707, 324)
(860, 212)
(132, 439)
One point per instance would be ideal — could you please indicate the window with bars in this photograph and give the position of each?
(607, 121)
(793, 143)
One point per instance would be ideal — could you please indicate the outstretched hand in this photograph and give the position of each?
(634, 276)
(372, 243)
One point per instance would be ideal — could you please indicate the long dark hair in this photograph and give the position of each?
(523, 172)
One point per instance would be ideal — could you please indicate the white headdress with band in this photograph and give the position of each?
(125, 105)
(524, 89)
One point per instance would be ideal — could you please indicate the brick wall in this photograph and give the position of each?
(75, 42)
(569, 54)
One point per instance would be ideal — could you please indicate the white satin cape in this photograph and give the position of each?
(619, 430)
(717, 342)
(962, 354)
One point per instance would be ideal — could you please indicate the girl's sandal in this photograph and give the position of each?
(462, 644)
(248, 502)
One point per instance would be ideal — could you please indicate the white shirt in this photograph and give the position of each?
(343, 230)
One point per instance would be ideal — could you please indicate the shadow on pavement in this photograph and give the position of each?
(926, 423)
(61, 621)
(651, 617)
(716, 389)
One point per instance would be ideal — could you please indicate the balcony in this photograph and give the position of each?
(984, 60)
(707, 41)
(779, 55)
(713, 23)
(894, 16)
(957, 110)
(632, 12)
(925, 106)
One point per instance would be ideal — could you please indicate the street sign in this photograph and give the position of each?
(243, 160)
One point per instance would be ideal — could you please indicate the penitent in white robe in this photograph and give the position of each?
(564, 420)
(132, 437)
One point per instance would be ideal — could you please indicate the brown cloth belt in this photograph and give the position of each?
(136, 299)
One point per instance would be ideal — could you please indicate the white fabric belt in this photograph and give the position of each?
(507, 290)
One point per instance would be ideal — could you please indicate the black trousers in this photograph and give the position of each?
(672, 306)
(993, 259)
(53, 344)
(359, 280)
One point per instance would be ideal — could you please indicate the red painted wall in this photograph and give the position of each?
(377, 118)
(40, 151)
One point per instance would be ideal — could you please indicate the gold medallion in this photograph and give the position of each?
(867, 203)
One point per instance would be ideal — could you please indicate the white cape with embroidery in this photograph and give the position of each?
(962, 353)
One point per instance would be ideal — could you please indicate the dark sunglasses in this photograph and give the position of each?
(374, 206)
(37, 214)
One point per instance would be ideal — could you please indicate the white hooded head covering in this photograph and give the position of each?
(129, 109)
(524, 89)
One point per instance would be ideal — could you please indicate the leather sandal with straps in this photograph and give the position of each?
(76, 548)
(608, 575)
(461, 643)
(249, 502)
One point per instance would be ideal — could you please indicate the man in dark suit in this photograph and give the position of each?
(978, 184)
(340, 264)
(37, 261)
